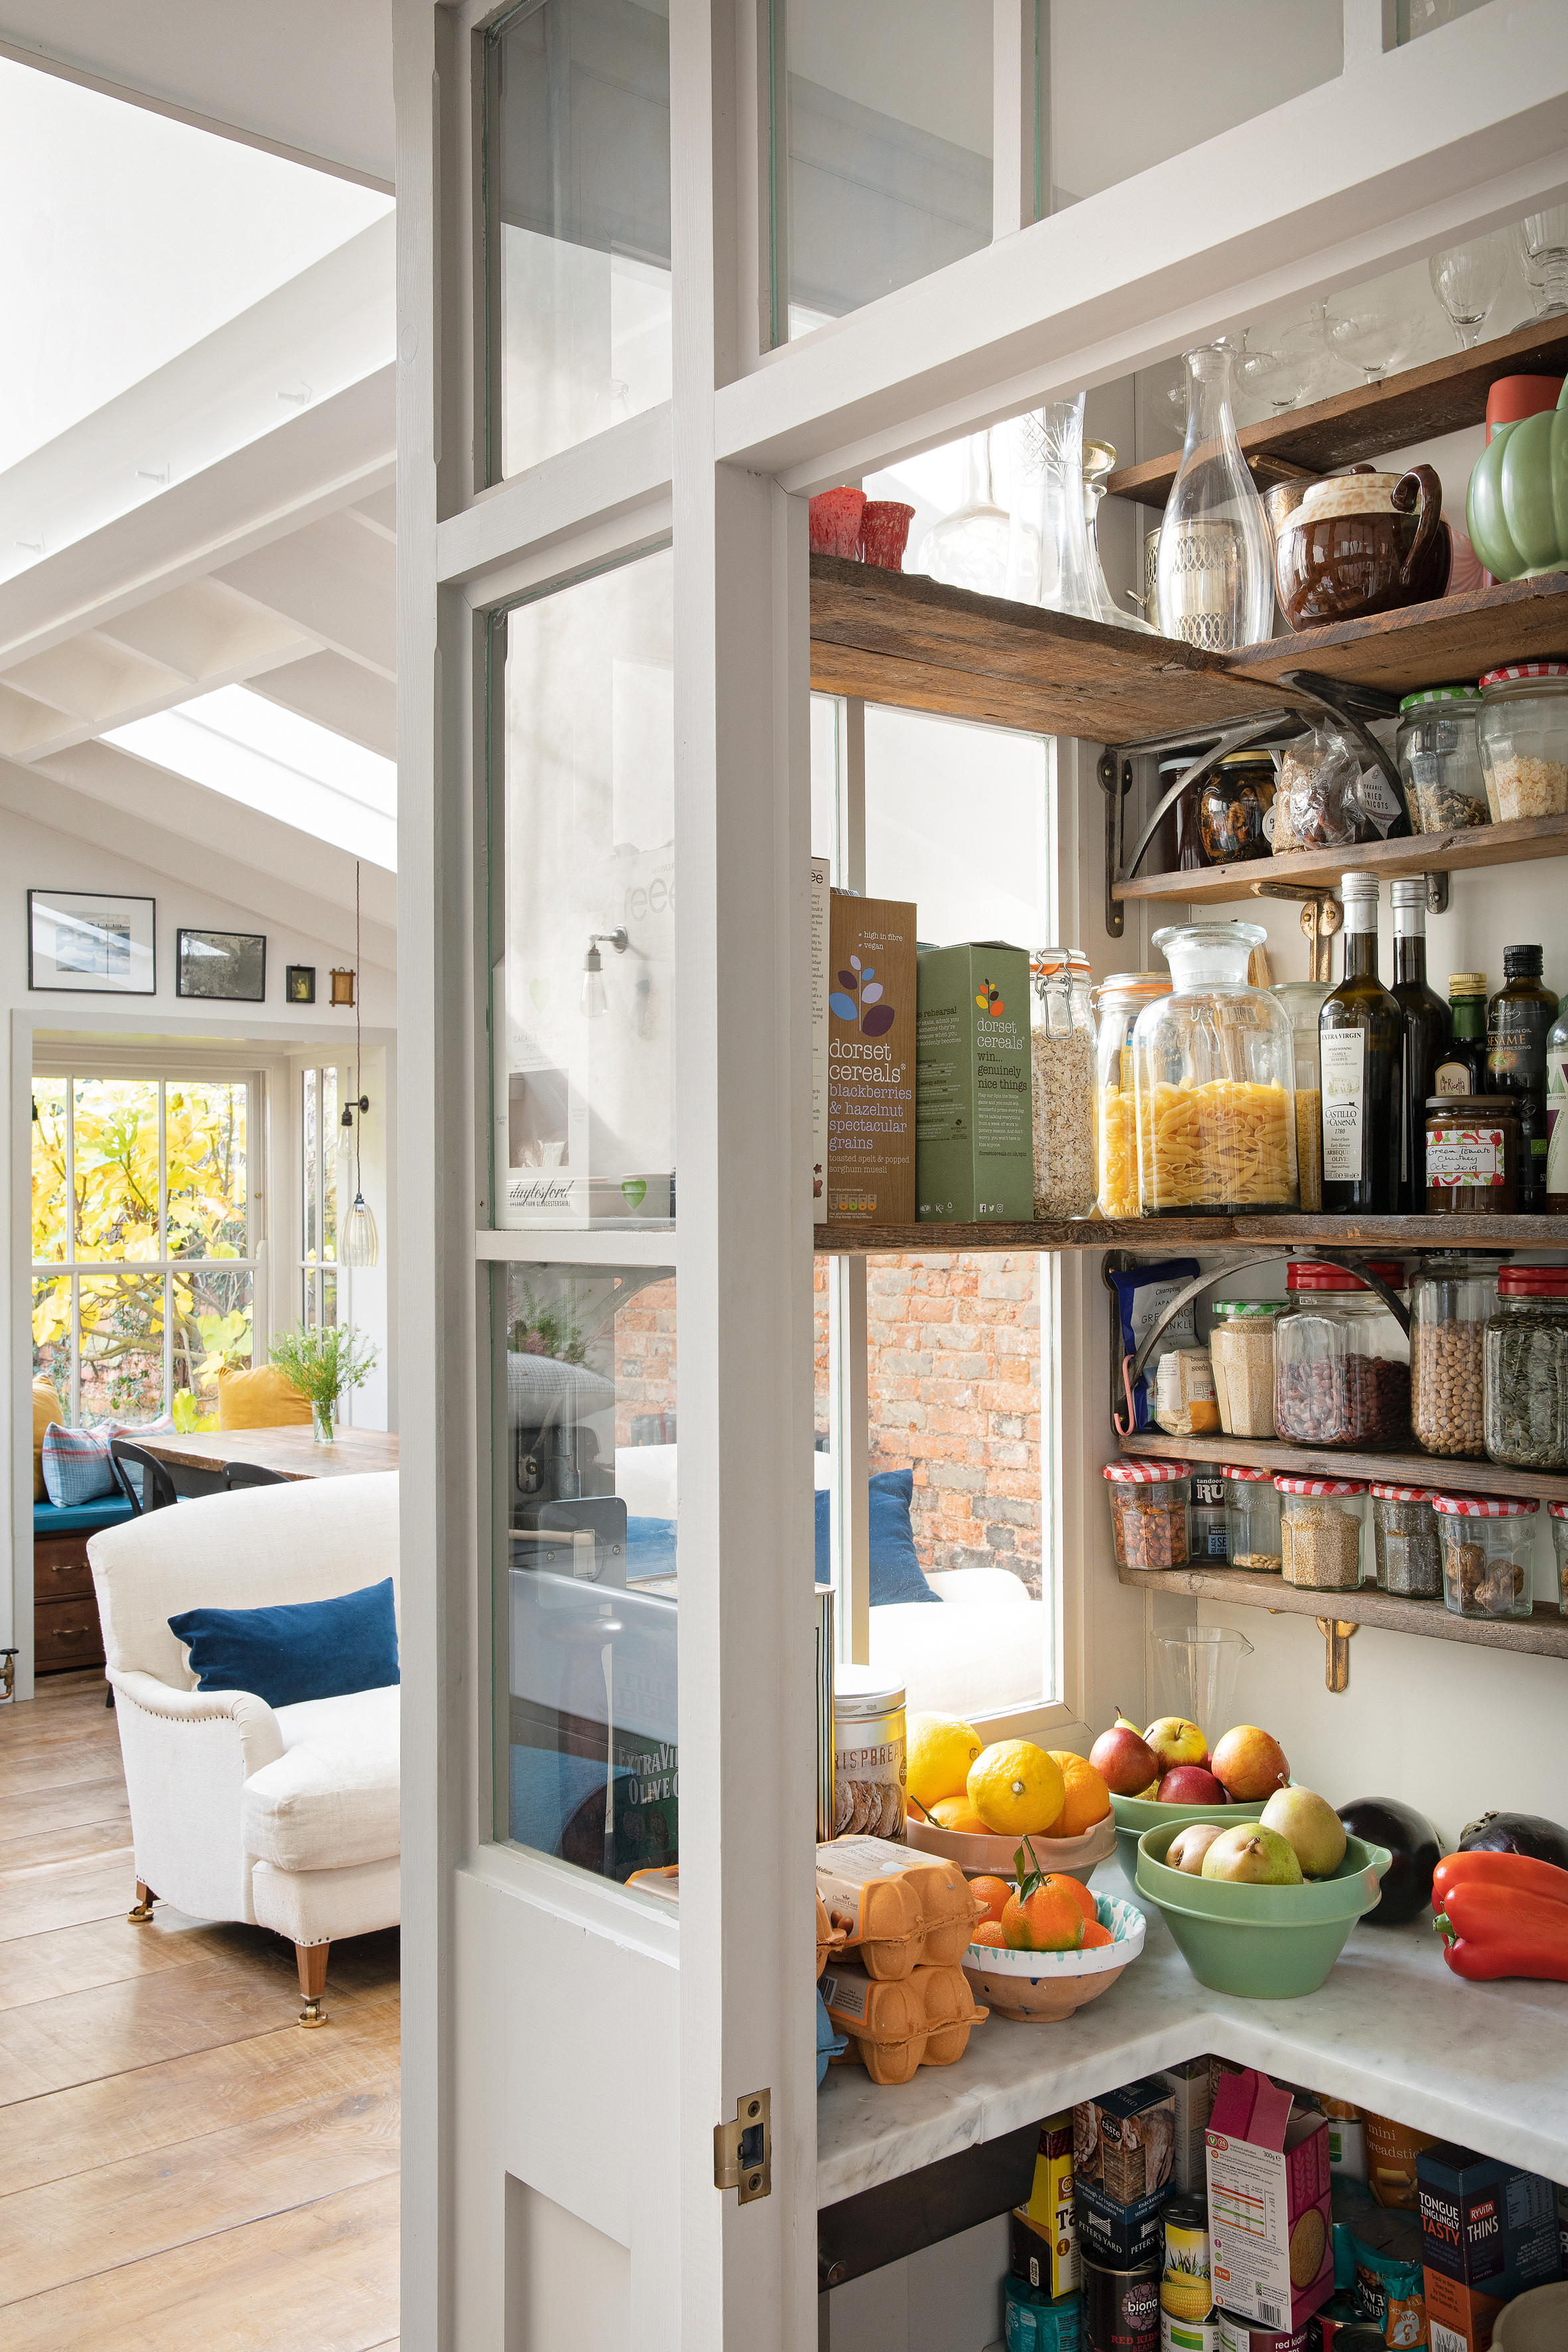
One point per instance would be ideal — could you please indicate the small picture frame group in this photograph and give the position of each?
(91, 942)
(226, 965)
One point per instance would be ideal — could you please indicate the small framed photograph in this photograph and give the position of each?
(90, 941)
(230, 964)
(299, 985)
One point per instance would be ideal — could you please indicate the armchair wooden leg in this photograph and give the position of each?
(143, 1910)
(312, 1960)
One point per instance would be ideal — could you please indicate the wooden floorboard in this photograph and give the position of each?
(178, 2162)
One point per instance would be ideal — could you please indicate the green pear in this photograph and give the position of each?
(1188, 1847)
(1251, 1855)
(1309, 1825)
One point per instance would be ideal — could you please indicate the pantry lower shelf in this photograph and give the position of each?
(1411, 1469)
(1292, 1230)
(1544, 1633)
(1392, 2029)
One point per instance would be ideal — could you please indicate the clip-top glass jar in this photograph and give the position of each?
(1303, 1000)
(1061, 1048)
(1487, 1543)
(1319, 1529)
(1117, 1003)
(1450, 1299)
(1526, 1355)
(1241, 1350)
(1342, 1364)
(1440, 761)
(1252, 1519)
(1214, 1081)
(1523, 738)
(1149, 1512)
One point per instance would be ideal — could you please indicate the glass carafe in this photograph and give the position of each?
(1050, 561)
(1216, 552)
(969, 548)
(1213, 1082)
(1194, 1675)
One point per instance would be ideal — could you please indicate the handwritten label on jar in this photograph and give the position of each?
(1464, 1155)
(1342, 1057)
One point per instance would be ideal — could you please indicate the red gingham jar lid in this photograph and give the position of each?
(1146, 1473)
(1558, 1510)
(1406, 1494)
(1484, 1506)
(1534, 1282)
(1291, 1485)
(1511, 672)
(1302, 1276)
(1240, 1470)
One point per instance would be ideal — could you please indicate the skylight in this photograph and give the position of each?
(252, 750)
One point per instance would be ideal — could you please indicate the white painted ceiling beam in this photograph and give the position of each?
(336, 580)
(339, 694)
(205, 633)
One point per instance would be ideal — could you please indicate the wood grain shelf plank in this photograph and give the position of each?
(1418, 404)
(1452, 639)
(1526, 839)
(1543, 1633)
(1161, 1233)
(1394, 1466)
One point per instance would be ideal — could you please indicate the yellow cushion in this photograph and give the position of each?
(47, 1408)
(263, 1399)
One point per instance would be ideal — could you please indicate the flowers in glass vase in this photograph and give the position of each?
(322, 1362)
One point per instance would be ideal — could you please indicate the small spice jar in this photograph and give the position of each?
(1526, 1368)
(1404, 1543)
(1319, 1530)
(1472, 1155)
(1440, 759)
(1231, 803)
(1342, 1364)
(1061, 1050)
(1252, 1519)
(870, 1753)
(1524, 739)
(1241, 1350)
(1149, 1503)
(1559, 1513)
(1450, 1299)
(1118, 1002)
(1486, 1542)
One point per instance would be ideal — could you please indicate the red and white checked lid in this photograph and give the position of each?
(1406, 1494)
(1558, 1510)
(1513, 670)
(1146, 1473)
(1240, 1470)
(1484, 1506)
(1294, 1485)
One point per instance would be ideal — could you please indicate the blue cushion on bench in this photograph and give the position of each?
(295, 1650)
(78, 1518)
(896, 1573)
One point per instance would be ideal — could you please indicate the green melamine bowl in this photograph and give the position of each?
(1133, 1815)
(1267, 1943)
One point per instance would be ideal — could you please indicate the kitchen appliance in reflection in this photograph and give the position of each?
(565, 1515)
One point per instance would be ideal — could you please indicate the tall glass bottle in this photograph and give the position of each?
(1518, 1019)
(1462, 1069)
(1426, 1034)
(1216, 551)
(1361, 1029)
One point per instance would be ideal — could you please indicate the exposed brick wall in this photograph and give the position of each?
(645, 1362)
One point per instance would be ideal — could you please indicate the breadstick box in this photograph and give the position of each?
(870, 1061)
(1271, 2239)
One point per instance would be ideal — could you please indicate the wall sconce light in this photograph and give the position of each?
(594, 1003)
(360, 1244)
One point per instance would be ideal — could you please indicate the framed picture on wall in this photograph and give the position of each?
(300, 983)
(228, 964)
(91, 942)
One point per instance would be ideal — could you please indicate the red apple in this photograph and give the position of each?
(1190, 1785)
(1123, 1761)
(1251, 1763)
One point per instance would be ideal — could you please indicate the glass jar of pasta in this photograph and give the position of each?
(1116, 1003)
(1061, 1044)
(1213, 1082)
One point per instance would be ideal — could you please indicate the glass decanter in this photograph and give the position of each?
(1051, 560)
(1216, 555)
(969, 548)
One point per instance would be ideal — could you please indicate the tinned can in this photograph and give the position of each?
(869, 1760)
(1188, 2335)
(1251, 2335)
(1186, 2291)
(1122, 2308)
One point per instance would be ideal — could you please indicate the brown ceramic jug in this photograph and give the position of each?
(1362, 543)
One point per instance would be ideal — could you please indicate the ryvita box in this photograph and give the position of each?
(974, 1164)
(1488, 2231)
(870, 1061)
(1270, 2243)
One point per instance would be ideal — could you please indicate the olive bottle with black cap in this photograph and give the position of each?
(1361, 1031)
(1518, 1019)
(1427, 1029)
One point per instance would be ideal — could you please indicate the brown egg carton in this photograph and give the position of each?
(829, 1938)
(894, 2025)
(897, 1911)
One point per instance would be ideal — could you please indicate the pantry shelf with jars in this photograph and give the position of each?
(1544, 1633)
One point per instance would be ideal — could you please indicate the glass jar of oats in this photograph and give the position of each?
(1523, 736)
(1241, 1349)
(1061, 1044)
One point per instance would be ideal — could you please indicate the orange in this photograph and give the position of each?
(1085, 1899)
(993, 1893)
(958, 1813)
(989, 1931)
(1087, 1798)
(1050, 1919)
(1095, 1935)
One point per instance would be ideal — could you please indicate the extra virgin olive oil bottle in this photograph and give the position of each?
(1427, 1029)
(1361, 1033)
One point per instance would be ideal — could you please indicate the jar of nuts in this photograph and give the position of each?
(1320, 1529)
(1342, 1364)
(1149, 1512)
(1450, 1299)
(1486, 1544)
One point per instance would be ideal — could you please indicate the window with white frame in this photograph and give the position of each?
(144, 1237)
(324, 1140)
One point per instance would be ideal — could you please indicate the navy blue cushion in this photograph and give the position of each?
(895, 1566)
(304, 1649)
(80, 1518)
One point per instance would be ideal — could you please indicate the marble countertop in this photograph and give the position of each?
(1392, 2029)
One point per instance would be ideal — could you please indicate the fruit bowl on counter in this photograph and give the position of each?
(1166, 1777)
(1042, 1988)
(979, 1856)
(1265, 1942)
(1133, 1815)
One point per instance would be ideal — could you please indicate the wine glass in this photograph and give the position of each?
(1300, 348)
(1467, 281)
(1541, 246)
(1373, 336)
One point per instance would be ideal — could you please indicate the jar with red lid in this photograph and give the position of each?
(1341, 1363)
(1487, 1543)
(1252, 1519)
(1404, 1543)
(1523, 739)
(1319, 1529)
(1149, 1512)
(1526, 1368)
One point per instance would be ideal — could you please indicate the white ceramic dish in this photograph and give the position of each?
(980, 1857)
(1042, 1988)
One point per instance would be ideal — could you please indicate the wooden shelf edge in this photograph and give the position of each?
(1409, 1467)
(1514, 844)
(1154, 1234)
(1544, 1633)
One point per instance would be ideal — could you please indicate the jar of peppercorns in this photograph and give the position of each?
(1149, 1512)
(1341, 1363)
(1486, 1544)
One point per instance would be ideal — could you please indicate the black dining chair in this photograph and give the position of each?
(154, 1489)
(250, 1473)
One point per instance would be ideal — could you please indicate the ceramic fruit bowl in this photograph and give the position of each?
(1268, 1943)
(980, 1857)
(1133, 1815)
(1042, 1988)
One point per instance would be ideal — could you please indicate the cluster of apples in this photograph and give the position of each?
(1171, 1763)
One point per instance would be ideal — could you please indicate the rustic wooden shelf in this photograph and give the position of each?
(1418, 404)
(1452, 640)
(1544, 1633)
(1424, 853)
(1408, 1467)
(1158, 1234)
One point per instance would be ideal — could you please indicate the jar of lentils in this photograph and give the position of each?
(1486, 1544)
(1319, 1529)
(1342, 1364)
(1450, 1299)
(1149, 1512)
(1252, 1519)
(1404, 1543)
(1526, 1368)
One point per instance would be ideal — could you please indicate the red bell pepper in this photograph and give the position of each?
(1491, 1930)
(1518, 1870)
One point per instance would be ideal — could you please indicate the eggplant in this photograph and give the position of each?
(1530, 1834)
(1410, 1840)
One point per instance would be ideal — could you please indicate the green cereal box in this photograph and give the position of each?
(974, 1136)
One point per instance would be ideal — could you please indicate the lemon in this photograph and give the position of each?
(939, 1752)
(1016, 1789)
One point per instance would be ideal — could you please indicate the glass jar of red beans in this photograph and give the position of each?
(1342, 1364)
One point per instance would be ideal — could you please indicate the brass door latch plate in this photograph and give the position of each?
(743, 2150)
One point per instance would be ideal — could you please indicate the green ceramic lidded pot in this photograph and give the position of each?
(1516, 510)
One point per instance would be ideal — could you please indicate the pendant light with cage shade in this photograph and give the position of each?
(359, 1243)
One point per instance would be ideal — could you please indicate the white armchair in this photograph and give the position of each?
(285, 1817)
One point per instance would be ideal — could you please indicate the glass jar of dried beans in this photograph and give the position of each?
(1450, 1299)
(1342, 1364)
(1149, 1512)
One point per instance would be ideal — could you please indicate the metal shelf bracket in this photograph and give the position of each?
(1336, 1636)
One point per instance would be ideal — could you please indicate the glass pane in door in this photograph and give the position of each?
(205, 1123)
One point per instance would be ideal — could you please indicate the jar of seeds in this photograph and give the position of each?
(1061, 1046)
(1252, 1519)
(1486, 1544)
(1404, 1543)
(1526, 1368)
(1450, 1299)
(1320, 1529)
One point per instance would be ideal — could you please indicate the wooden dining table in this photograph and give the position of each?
(197, 1461)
